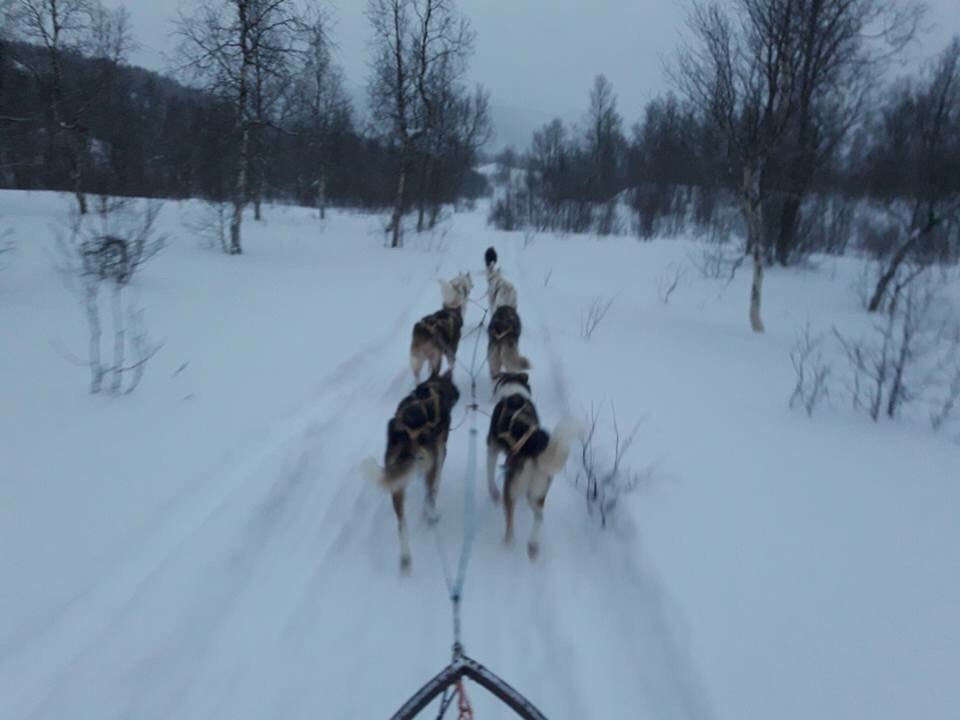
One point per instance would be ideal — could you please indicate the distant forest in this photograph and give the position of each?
(146, 135)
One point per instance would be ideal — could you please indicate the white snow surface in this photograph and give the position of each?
(207, 548)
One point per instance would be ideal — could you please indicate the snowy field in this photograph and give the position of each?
(206, 547)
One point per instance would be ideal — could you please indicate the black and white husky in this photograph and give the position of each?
(500, 291)
(534, 456)
(416, 443)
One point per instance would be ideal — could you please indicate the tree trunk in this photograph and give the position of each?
(239, 194)
(397, 238)
(119, 340)
(93, 321)
(322, 195)
(787, 235)
(241, 191)
(259, 164)
(76, 171)
(895, 262)
(756, 290)
(422, 200)
(753, 207)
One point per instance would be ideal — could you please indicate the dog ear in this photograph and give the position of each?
(524, 378)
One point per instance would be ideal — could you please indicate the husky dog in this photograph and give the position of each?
(500, 291)
(533, 455)
(438, 335)
(494, 277)
(417, 441)
(503, 335)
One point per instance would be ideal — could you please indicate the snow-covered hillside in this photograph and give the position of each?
(207, 548)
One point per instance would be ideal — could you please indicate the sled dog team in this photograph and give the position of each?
(417, 433)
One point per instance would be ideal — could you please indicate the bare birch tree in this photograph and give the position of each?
(415, 42)
(842, 47)
(235, 48)
(918, 162)
(60, 27)
(739, 70)
(323, 107)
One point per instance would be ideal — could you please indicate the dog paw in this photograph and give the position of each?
(533, 550)
(495, 496)
(431, 515)
(405, 564)
(508, 540)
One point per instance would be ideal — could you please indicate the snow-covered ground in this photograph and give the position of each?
(206, 547)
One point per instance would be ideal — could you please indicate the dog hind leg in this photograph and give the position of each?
(510, 487)
(492, 453)
(405, 561)
(432, 478)
(536, 496)
(494, 360)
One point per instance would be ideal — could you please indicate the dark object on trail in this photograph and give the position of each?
(490, 257)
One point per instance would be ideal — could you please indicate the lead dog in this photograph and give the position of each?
(438, 335)
(533, 455)
(416, 441)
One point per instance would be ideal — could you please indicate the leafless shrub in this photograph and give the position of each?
(528, 237)
(670, 280)
(600, 475)
(607, 221)
(6, 244)
(547, 277)
(898, 362)
(718, 261)
(210, 223)
(825, 225)
(105, 249)
(593, 316)
(436, 240)
(812, 372)
(948, 376)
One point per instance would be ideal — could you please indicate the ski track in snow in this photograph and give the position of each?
(266, 582)
(291, 561)
(253, 496)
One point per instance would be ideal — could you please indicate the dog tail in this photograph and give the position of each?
(554, 457)
(512, 358)
(375, 473)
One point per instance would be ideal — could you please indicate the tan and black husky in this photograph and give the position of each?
(533, 455)
(438, 335)
(503, 336)
(417, 442)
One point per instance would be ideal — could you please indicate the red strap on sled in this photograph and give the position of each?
(463, 702)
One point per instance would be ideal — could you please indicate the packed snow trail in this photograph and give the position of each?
(277, 594)
(222, 557)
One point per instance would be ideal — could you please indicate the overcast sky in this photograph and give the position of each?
(537, 57)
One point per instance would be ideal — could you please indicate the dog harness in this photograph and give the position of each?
(504, 323)
(445, 326)
(420, 412)
(515, 423)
